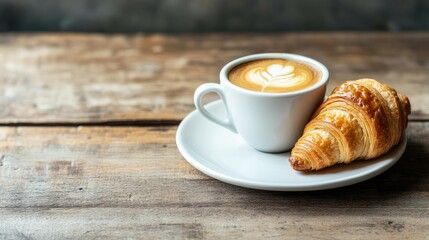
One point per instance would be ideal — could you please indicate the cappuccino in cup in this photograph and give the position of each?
(274, 75)
(268, 98)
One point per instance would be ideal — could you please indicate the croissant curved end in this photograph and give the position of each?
(405, 102)
(299, 164)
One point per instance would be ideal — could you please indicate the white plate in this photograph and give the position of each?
(223, 155)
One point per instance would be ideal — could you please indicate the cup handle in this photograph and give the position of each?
(198, 96)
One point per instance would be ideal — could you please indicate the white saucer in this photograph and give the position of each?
(223, 155)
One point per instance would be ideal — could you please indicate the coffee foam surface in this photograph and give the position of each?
(273, 75)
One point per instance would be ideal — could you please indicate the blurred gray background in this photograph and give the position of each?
(176, 16)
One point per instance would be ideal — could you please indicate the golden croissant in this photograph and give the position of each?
(361, 119)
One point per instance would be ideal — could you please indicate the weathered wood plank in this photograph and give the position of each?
(88, 182)
(98, 78)
(204, 223)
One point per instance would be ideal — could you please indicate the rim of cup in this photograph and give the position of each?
(289, 56)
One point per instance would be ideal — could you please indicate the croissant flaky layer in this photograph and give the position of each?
(361, 119)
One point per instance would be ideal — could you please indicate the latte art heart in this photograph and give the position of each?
(277, 75)
(273, 75)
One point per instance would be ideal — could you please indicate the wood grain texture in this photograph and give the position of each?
(131, 182)
(69, 78)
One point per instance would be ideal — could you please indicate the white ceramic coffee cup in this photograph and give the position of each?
(268, 122)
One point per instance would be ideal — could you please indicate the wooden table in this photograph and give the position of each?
(88, 150)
